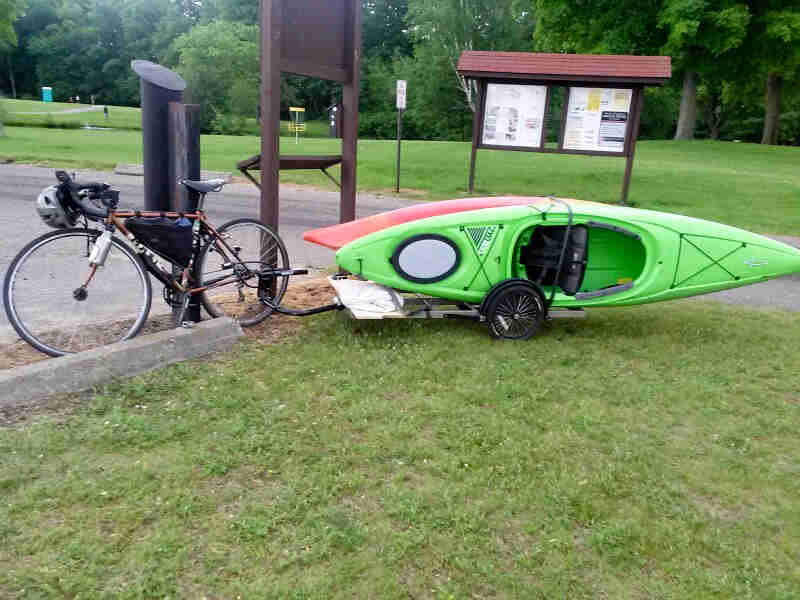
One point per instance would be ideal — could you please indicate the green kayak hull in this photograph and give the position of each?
(631, 256)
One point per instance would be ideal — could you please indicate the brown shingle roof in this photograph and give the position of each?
(571, 67)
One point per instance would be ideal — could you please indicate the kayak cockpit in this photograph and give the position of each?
(599, 259)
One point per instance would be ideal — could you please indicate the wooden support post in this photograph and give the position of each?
(270, 110)
(636, 112)
(184, 154)
(350, 90)
(477, 126)
(183, 140)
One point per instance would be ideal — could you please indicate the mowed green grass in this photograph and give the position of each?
(119, 117)
(646, 452)
(747, 185)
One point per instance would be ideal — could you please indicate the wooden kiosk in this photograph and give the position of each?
(316, 39)
(601, 108)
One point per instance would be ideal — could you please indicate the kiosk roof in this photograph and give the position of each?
(653, 70)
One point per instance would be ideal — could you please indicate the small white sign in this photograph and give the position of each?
(401, 94)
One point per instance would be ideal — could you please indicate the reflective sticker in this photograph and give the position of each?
(756, 262)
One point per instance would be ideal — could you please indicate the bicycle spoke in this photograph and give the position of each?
(39, 294)
(256, 248)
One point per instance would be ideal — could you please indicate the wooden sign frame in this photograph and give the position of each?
(603, 71)
(316, 39)
(631, 130)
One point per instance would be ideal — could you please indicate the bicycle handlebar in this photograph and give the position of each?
(95, 190)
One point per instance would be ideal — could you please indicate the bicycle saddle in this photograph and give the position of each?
(203, 187)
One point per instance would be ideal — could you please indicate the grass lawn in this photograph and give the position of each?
(646, 452)
(122, 117)
(746, 185)
(119, 117)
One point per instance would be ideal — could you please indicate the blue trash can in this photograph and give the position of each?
(47, 94)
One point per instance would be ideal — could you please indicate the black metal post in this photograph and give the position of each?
(159, 86)
(399, 138)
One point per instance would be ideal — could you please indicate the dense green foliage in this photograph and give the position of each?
(731, 46)
(83, 48)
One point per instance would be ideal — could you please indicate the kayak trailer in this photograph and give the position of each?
(513, 308)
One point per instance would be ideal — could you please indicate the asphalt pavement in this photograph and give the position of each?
(301, 209)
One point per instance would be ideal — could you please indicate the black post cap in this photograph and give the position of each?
(158, 75)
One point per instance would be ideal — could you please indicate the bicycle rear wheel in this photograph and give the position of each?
(246, 253)
(39, 293)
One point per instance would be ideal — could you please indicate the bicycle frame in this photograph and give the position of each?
(201, 225)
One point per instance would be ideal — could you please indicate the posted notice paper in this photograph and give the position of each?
(597, 119)
(514, 115)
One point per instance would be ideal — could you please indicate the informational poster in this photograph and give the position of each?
(597, 119)
(514, 115)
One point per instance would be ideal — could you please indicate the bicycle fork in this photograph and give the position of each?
(97, 258)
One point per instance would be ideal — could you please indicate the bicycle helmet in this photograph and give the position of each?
(52, 211)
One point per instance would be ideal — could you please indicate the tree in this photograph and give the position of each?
(449, 27)
(216, 60)
(774, 43)
(702, 37)
(10, 11)
(384, 33)
(597, 27)
(2, 116)
(72, 53)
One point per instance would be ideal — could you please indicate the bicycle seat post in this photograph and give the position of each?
(203, 187)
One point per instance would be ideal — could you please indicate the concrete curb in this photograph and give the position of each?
(138, 171)
(81, 371)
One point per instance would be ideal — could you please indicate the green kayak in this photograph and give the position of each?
(572, 254)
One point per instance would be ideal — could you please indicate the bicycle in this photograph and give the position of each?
(81, 287)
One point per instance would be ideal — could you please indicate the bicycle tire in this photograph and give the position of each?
(40, 301)
(254, 298)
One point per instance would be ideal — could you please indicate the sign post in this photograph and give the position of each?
(401, 106)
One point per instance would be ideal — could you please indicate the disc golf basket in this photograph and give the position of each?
(297, 121)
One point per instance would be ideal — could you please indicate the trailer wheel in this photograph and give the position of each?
(515, 312)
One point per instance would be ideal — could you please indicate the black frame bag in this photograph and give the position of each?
(164, 236)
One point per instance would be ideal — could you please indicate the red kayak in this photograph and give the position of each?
(336, 236)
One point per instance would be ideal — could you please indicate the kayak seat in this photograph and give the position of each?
(542, 253)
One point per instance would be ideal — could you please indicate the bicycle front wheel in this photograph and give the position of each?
(241, 260)
(46, 309)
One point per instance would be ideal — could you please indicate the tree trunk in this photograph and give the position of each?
(774, 89)
(718, 120)
(11, 77)
(688, 115)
